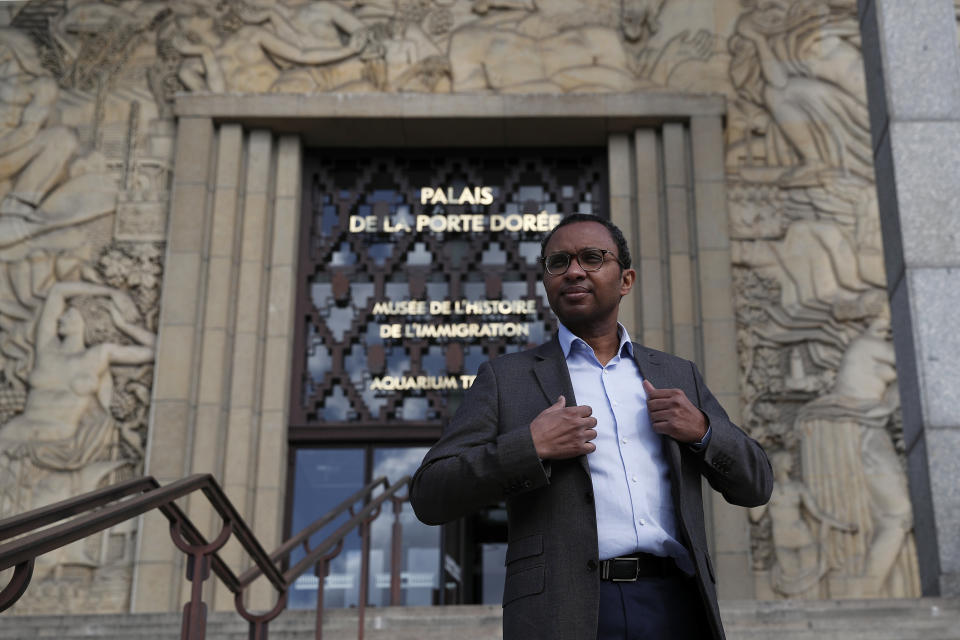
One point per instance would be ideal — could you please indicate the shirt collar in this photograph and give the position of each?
(567, 339)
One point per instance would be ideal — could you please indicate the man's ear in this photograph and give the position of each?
(627, 278)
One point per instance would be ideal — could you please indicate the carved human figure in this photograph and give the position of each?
(868, 366)
(33, 155)
(800, 561)
(307, 32)
(39, 190)
(640, 19)
(303, 33)
(817, 264)
(851, 466)
(799, 60)
(59, 443)
(558, 50)
(867, 373)
(197, 40)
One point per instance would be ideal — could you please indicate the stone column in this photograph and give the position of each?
(221, 393)
(912, 65)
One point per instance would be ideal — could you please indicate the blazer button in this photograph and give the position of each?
(588, 497)
(591, 565)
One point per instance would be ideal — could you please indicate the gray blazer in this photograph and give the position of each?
(486, 454)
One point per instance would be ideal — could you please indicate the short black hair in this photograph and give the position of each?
(623, 251)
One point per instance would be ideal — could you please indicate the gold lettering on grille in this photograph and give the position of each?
(455, 330)
(421, 383)
(458, 223)
(450, 195)
(455, 307)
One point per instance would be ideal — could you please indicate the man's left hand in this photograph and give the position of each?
(672, 414)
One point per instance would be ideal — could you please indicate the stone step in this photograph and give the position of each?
(390, 623)
(921, 619)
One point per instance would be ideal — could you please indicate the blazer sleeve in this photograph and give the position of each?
(475, 462)
(733, 463)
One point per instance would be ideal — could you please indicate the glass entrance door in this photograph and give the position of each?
(420, 544)
(324, 477)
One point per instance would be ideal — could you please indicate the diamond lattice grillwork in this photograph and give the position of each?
(358, 253)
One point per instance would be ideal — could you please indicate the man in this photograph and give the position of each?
(598, 446)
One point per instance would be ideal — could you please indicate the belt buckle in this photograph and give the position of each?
(636, 569)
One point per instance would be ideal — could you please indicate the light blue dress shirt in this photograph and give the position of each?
(631, 483)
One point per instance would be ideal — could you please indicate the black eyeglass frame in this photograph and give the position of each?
(570, 256)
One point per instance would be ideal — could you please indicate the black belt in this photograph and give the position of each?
(638, 565)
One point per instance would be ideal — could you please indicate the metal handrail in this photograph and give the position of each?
(43, 516)
(314, 555)
(99, 510)
(303, 536)
(21, 550)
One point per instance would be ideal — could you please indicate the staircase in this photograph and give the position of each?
(389, 623)
(926, 619)
(907, 619)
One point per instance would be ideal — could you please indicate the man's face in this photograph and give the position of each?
(586, 301)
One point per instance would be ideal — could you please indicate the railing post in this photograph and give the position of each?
(194, 625)
(322, 570)
(396, 553)
(258, 623)
(195, 611)
(364, 572)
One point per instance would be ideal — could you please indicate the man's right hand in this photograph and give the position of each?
(561, 432)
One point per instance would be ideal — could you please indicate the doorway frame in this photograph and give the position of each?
(220, 401)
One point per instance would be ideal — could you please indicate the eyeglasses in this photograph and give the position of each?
(557, 264)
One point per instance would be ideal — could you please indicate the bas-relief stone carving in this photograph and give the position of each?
(77, 359)
(85, 151)
(817, 364)
(800, 62)
(808, 264)
(66, 424)
(84, 172)
(853, 469)
(420, 45)
(40, 189)
(593, 49)
(800, 529)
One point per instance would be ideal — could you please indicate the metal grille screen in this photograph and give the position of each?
(416, 266)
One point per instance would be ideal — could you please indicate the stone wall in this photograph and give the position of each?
(86, 162)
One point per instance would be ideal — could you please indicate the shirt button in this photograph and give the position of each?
(633, 478)
(623, 440)
(642, 522)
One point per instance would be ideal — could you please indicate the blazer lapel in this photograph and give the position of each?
(552, 374)
(551, 371)
(652, 369)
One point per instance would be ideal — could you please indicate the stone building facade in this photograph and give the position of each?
(157, 186)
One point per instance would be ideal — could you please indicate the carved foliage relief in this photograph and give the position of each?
(85, 152)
